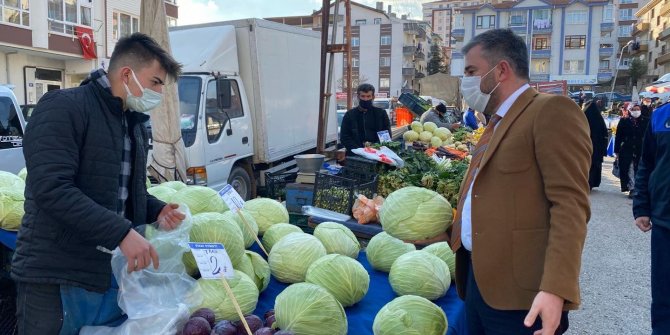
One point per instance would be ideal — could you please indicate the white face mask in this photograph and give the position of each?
(635, 113)
(149, 99)
(472, 93)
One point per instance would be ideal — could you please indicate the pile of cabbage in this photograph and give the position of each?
(12, 188)
(428, 133)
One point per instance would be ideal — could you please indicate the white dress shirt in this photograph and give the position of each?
(466, 212)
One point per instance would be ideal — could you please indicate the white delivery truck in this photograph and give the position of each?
(248, 99)
(12, 128)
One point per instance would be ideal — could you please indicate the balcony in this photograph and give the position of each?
(665, 9)
(519, 28)
(624, 39)
(542, 27)
(640, 28)
(664, 35)
(537, 77)
(662, 59)
(541, 54)
(606, 52)
(644, 47)
(456, 55)
(604, 75)
(458, 34)
(408, 71)
(607, 26)
(419, 75)
(420, 55)
(408, 50)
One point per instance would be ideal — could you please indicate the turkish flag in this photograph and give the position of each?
(85, 36)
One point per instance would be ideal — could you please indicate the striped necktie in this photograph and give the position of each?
(477, 156)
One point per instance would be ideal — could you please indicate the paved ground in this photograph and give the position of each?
(615, 279)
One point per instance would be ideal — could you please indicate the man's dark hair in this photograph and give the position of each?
(502, 44)
(441, 108)
(365, 88)
(138, 50)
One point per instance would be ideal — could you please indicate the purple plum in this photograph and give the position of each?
(269, 321)
(265, 331)
(269, 313)
(284, 332)
(224, 327)
(207, 314)
(253, 321)
(197, 326)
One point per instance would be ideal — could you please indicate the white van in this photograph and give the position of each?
(12, 128)
(385, 104)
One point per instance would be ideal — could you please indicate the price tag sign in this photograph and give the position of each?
(212, 260)
(231, 198)
(384, 136)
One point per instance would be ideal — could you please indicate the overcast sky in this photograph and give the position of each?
(201, 11)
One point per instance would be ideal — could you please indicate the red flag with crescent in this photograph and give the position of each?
(85, 36)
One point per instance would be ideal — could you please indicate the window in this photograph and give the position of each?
(458, 21)
(624, 31)
(517, 19)
(217, 119)
(378, 21)
(540, 67)
(604, 65)
(16, 12)
(608, 13)
(577, 17)
(355, 41)
(385, 40)
(384, 82)
(486, 21)
(541, 43)
(573, 66)
(575, 41)
(385, 61)
(124, 25)
(626, 14)
(542, 14)
(626, 1)
(65, 14)
(354, 62)
(361, 22)
(10, 125)
(625, 62)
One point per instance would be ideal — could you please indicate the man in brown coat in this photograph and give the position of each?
(521, 221)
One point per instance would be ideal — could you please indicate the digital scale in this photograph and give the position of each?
(305, 178)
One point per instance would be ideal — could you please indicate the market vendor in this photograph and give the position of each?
(441, 117)
(86, 154)
(362, 123)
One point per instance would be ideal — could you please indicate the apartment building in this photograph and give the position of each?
(442, 15)
(652, 33)
(40, 49)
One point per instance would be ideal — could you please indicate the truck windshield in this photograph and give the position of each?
(381, 104)
(189, 100)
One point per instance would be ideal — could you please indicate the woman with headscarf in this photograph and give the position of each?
(598, 141)
(628, 146)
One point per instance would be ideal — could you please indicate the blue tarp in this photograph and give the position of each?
(8, 239)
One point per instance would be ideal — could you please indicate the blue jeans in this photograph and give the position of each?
(660, 286)
(64, 309)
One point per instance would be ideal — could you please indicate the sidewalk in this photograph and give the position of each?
(615, 278)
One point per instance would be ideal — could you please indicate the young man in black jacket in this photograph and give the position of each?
(362, 123)
(651, 208)
(86, 153)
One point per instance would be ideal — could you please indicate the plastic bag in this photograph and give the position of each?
(157, 301)
(615, 168)
(383, 154)
(367, 210)
(324, 214)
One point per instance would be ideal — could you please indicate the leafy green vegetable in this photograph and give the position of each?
(309, 309)
(383, 249)
(215, 296)
(292, 255)
(337, 239)
(410, 315)
(420, 273)
(345, 278)
(266, 212)
(415, 213)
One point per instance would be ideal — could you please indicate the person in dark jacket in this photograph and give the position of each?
(598, 141)
(651, 209)
(362, 123)
(86, 153)
(628, 146)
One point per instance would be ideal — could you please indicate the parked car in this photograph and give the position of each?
(385, 104)
(616, 97)
(27, 111)
(12, 127)
(575, 96)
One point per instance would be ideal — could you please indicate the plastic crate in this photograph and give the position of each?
(359, 169)
(415, 104)
(298, 195)
(275, 184)
(338, 193)
(7, 308)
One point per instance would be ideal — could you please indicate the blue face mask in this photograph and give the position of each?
(149, 99)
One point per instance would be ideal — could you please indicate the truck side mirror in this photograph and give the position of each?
(223, 96)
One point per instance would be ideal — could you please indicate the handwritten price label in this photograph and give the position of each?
(212, 260)
(231, 198)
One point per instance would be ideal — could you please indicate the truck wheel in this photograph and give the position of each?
(241, 182)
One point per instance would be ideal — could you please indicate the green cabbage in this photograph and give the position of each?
(442, 133)
(417, 127)
(337, 239)
(308, 309)
(435, 142)
(11, 208)
(420, 273)
(162, 193)
(10, 180)
(410, 315)
(200, 199)
(429, 126)
(410, 136)
(425, 136)
(276, 233)
(415, 213)
(444, 252)
(147, 182)
(292, 255)
(23, 174)
(215, 296)
(345, 278)
(215, 228)
(266, 212)
(248, 232)
(383, 249)
(175, 185)
(261, 270)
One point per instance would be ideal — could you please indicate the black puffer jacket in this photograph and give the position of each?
(73, 147)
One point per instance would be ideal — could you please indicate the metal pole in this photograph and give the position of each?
(329, 77)
(347, 6)
(616, 73)
(325, 17)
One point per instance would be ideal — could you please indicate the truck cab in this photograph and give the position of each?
(12, 128)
